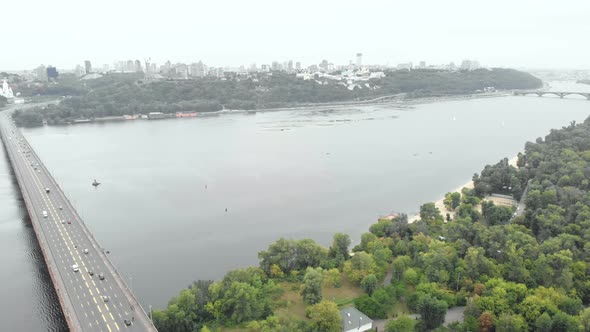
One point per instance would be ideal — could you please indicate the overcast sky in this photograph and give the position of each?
(507, 33)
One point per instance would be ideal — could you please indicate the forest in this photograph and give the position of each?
(119, 94)
(527, 272)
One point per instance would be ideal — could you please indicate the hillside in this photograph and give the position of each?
(119, 94)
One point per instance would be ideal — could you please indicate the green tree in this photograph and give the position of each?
(511, 323)
(339, 248)
(543, 323)
(370, 306)
(585, 319)
(369, 283)
(241, 302)
(359, 266)
(432, 311)
(563, 322)
(429, 211)
(411, 277)
(333, 278)
(291, 255)
(452, 200)
(325, 317)
(401, 324)
(399, 265)
(312, 286)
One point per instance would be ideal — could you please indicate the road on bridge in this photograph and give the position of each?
(95, 297)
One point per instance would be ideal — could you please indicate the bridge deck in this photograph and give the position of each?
(560, 94)
(66, 241)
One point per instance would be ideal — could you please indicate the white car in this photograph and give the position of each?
(86, 251)
(61, 207)
(44, 214)
(75, 268)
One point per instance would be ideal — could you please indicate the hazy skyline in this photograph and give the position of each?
(502, 33)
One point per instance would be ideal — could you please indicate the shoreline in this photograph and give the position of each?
(441, 206)
(400, 103)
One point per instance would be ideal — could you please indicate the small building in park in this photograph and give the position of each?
(354, 320)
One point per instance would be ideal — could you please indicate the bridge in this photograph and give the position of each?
(92, 294)
(560, 94)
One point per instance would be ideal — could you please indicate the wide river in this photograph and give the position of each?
(166, 185)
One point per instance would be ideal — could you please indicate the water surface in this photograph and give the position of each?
(166, 185)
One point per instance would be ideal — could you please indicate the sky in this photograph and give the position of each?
(497, 33)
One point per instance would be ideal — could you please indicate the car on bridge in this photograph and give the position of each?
(101, 276)
(75, 268)
(44, 214)
(47, 190)
(86, 251)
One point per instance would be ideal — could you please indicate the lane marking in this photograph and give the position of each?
(56, 217)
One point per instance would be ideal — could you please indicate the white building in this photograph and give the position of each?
(354, 320)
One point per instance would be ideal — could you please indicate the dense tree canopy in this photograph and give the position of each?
(118, 94)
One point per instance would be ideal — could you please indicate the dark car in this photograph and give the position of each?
(100, 276)
(127, 322)
(91, 273)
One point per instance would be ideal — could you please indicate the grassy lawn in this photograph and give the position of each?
(292, 305)
(295, 307)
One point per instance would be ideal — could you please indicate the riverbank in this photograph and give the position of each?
(440, 202)
(395, 101)
(399, 102)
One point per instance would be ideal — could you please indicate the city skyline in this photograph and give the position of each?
(508, 34)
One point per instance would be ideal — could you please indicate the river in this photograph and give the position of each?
(166, 185)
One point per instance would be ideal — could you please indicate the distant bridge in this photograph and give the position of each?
(560, 94)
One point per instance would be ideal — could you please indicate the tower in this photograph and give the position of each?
(149, 75)
(359, 60)
(88, 66)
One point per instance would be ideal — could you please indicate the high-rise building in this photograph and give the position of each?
(52, 73)
(88, 66)
(359, 60)
(80, 71)
(324, 65)
(290, 65)
(138, 67)
(276, 66)
(298, 65)
(422, 64)
(41, 73)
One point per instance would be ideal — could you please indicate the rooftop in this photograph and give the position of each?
(352, 318)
